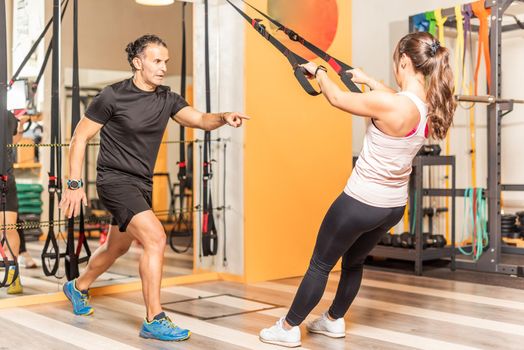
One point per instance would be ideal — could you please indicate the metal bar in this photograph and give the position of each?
(445, 192)
(512, 187)
(486, 99)
(508, 249)
(435, 160)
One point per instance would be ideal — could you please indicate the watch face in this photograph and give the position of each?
(73, 184)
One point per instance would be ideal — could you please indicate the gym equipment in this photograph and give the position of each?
(429, 150)
(182, 228)
(295, 60)
(340, 67)
(72, 258)
(51, 253)
(5, 137)
(209, 244)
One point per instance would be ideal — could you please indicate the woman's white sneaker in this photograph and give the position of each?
(279, 336)
(323, 325)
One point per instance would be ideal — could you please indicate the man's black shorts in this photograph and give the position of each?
(124, 200)
(11, 199)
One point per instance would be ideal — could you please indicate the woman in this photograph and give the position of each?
(374, 198)
(11, 209)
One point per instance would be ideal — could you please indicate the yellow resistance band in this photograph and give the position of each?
(440, 24)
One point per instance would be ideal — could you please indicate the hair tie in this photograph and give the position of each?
(434, 47)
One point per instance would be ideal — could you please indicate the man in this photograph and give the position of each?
(132, 116)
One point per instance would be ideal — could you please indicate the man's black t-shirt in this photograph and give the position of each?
(134, 123)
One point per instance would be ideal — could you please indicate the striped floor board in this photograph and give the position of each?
(391, 312)
(124, 270)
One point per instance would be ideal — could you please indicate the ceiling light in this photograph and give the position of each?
(155, 2)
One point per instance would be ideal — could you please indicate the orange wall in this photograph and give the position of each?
(297, 157)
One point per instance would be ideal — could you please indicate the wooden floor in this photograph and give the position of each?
(124, 270)
(392, 311)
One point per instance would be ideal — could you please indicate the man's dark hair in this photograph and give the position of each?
(138, 46)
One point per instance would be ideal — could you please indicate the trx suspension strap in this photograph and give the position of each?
(5, 139)
(47, 55)
(72, 257)
(35, 46)
(51, 253)
(295, 60)
(209, 231)
(340, 67)
(482, 14)
(224, 259)
(182, 228)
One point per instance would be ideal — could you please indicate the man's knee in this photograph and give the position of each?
(155, 241)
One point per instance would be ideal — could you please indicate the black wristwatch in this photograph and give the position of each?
(74, 184)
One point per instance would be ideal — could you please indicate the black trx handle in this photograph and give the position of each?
(72, 257)
(181, 227)
(340, 67)
(294, 59)
(51, 253)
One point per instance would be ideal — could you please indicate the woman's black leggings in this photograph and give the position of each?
(350, 230)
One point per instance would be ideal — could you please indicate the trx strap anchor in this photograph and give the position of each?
(338, 66)
(295, 60)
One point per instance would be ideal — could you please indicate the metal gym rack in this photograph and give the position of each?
(418, 255)
(497, 107)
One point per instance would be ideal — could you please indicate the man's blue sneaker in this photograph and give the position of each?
(79, 299)
(163, 329)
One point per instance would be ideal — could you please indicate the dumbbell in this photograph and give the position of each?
(406, 240)
(437, 241)
(396, 241)
(387, 239)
